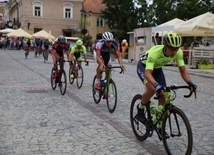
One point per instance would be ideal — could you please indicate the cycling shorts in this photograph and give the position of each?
(157, 74)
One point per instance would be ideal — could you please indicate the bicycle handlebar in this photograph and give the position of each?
(86, 62)
(173, 87)
(121, 69)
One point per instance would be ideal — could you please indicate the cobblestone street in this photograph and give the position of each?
(34, 119)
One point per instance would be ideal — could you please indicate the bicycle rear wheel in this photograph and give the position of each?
(71, 79)
(177, 126)
(79, 77)
(138, 128)
(111, 96)
(63, 83)
(96, 93)
(53, 80)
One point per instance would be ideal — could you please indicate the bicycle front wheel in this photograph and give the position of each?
(96, 93)
(63, 83)
(111, 96)
(79, 77)
(138, 128)
(177, 126)
(53, 80)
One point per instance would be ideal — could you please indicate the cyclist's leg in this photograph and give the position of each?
(147, 94)
(150, 90)
(55, 57)
(160, 78)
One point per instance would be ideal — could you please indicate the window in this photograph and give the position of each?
(37, 9)
(100, 22)
(68, 10)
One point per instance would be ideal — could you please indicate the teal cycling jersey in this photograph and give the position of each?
(155, 58)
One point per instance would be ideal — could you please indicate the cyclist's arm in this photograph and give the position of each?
(120, 59)
(99, 60)
(184, 74)
(71, 53)
(84, 53)
(149, 77)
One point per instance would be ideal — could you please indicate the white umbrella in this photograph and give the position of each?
(19, 33)
(202, 25)
(7, 30)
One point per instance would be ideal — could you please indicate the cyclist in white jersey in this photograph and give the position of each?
(102, 52)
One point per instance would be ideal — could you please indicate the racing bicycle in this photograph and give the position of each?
(58, 76)
(109, 89)
(77, 73)
(176, 132)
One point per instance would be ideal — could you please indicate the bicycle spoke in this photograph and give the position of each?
(79, 77)
(63, 83)
(111, 96)
(180, 141)
(138, 128)
(96, 93)
(53, 80)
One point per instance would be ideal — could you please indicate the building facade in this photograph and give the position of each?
(60, 17)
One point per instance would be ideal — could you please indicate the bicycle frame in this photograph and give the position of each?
(152, 124)
(108, 77)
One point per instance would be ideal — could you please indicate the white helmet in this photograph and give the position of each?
(107, 36)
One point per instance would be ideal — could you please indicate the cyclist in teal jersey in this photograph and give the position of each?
(149, 69)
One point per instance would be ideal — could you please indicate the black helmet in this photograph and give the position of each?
(61, 39)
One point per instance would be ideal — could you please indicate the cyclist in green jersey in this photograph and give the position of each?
(76, 54)
(149, 69)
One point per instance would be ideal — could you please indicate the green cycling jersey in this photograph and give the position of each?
(81, 50)
(155, 58)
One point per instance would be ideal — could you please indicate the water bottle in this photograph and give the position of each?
(160, 109)
(153, 109)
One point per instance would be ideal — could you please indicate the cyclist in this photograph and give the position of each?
(102, 52)
(58, 51)
(149, 70)
(45, 48)
(76, 55)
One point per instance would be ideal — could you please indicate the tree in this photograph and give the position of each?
(166, 10)
(122, 17)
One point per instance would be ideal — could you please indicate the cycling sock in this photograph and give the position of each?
(141, 106)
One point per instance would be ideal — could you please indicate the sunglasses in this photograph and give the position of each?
(109, 41)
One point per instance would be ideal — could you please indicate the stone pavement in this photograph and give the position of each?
(34, 119)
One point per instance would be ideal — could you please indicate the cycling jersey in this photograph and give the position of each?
(59, 49)
(105, 51)
(46, 44)
(100, 46)
(78, 51)
(155, 58)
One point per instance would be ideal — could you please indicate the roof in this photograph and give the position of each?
(93, 5)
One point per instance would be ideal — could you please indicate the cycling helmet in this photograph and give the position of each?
(172, 39)
(79, 42)
(107, 36)
(61, 39)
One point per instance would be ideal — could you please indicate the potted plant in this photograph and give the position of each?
(204, 64)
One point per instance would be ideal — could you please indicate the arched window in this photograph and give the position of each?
(67, 10)
(37, 8)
